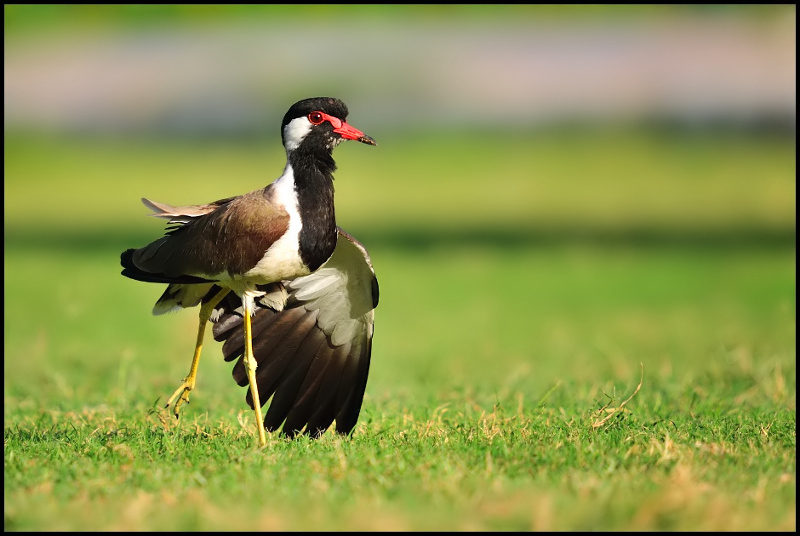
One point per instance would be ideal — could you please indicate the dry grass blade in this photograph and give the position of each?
(613, 411)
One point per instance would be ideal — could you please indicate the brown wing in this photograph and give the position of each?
(313, 356)
(230, 235)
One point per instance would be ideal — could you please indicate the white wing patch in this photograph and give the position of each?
(341, 290)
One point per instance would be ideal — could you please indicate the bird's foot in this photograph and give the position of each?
(180, 396)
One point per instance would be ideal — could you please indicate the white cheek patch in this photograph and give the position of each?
(295, 131)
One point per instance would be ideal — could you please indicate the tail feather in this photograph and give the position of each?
(180, 296)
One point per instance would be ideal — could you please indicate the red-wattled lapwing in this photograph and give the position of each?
(309, 284)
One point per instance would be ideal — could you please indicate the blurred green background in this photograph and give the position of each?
(525, 122)
(558, 195)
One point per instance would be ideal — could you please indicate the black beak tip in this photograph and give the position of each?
(368, 140)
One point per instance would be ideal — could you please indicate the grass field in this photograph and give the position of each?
(527, 292)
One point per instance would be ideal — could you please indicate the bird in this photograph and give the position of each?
(290, 293)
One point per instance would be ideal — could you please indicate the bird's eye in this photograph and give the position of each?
(316, 118)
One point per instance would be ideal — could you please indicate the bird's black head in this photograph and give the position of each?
(319, 121)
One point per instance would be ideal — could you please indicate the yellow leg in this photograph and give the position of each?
(250, 365)
(183, 390)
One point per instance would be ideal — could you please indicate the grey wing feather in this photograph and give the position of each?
(313, 356)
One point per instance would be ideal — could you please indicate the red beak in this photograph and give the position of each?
(352, 133)
(348, 132)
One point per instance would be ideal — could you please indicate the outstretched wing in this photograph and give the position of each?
(313, 356)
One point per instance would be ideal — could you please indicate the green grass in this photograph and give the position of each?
(511, 322)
